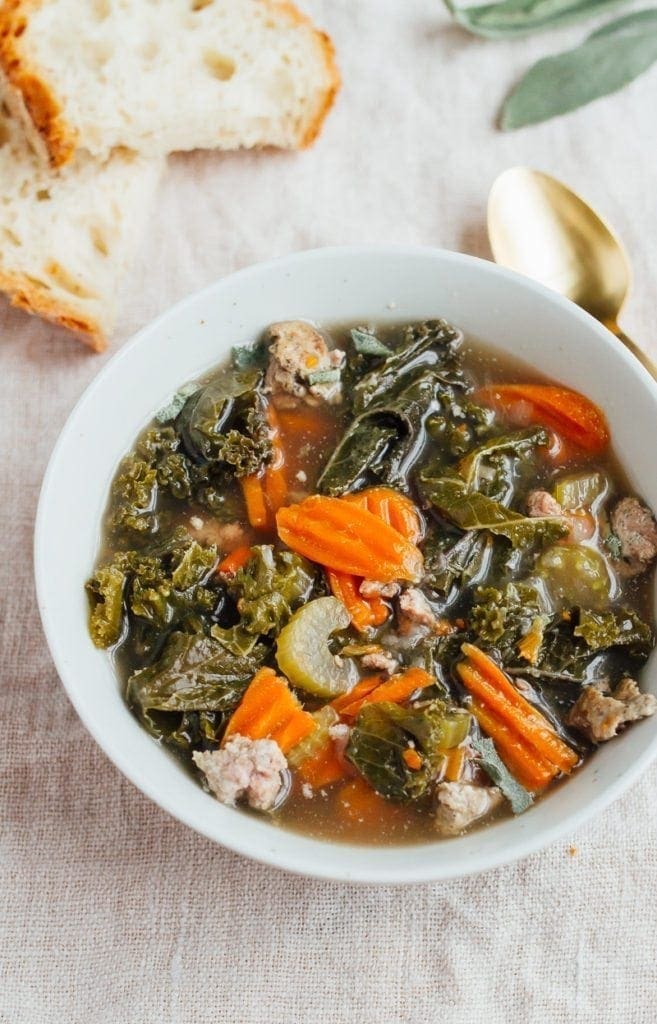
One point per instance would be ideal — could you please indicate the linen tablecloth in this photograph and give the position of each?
(110, 911)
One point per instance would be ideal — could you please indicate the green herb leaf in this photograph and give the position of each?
(520, 443)
(249, 357)
(368, 345)
(601, 630)
(174, 406)
(475, 511)
(512, 18)
(381, 734)
(105, 591)
(324, 376)
(195, 673)
(608, 60)
(269, 587)
(498, 773)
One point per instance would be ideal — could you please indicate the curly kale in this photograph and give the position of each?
(269, 588)
(194, 673)
(105, 592)
(135, 494)
(153, 593)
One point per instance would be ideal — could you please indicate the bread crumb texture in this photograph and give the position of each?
(107, 73)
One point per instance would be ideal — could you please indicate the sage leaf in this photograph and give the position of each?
(609, 59)
(368, 345)
(511, 18)
(498, 773)
(174, 406)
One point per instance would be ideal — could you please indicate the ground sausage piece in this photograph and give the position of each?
(540, 503)
(296, 351)
(635, 527)
(599, 715)
(254, 770)
(380, 661)
(373, 588)
(460, 804)
(227, 536)
(415, 610)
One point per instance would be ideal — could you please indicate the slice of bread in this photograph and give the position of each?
(67, 237)
(163, 75)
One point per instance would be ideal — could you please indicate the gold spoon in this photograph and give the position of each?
(539, 227)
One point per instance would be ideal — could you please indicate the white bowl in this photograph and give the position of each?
(387, 284)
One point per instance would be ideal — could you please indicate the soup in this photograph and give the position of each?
(380, 585)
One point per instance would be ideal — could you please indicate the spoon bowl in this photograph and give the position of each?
(541, 228)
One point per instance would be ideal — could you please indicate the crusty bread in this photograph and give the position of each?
(162, 75)
(67, 237)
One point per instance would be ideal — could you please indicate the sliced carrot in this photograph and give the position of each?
(358, 803)
(532, 771)
(364, 612)
(235, 560)
(341, 535)
(486, 681)
(297, 422)
(397, 689)
(324, 767)
(275, 476)
(255, 500)
(454, 763)
(393, 508)
(570, 414)
(412, 759)
(269, 710)
(359, 691)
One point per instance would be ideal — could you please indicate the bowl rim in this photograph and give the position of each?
(373, 873)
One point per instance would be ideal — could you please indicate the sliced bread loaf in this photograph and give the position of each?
(164, 75)
(67, 237)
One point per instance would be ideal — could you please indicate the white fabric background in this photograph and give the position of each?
(112, 912)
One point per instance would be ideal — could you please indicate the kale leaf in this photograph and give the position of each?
(194, 673)
(381, 734)
(450, 560)
(105, 591)
(602, 630)
(170, 588)
(269, 588)
(381, 445)
(135, 494)
(430, 343)
(225, 422)
(471, 510)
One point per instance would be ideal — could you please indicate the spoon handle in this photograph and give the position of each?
(645, 360)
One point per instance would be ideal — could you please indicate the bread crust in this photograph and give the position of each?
(24, 294)
(44, 111)
(39, 102)
(327, 55)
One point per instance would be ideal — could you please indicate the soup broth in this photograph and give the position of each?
(382, 584)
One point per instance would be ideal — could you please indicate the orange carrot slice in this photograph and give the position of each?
(570, 414)
(492, 688)
(235, 560)
(269, 710)
(531, 770)
(397, 689)
(364, 612)
(341, 535)
(323, 768)
(359, 691)
(358, 803)
(255, 500)
(393, 508)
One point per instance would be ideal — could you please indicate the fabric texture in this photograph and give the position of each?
(110, 911)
